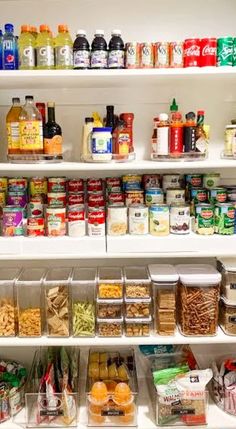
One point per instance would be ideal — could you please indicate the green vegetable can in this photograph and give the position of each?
(204, 219)
(224, 218)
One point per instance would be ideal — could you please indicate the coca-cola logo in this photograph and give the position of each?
(75, 216)
(209, 50)
(192, 51)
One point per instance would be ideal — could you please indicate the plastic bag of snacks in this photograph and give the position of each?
(224, 384)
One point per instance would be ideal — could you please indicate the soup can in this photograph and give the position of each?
(36, 207)
(180, 218)
(224, 218)
(154, 196)
(117, 220)
(35, 227)
(171, 181)
(113, 184)
(75, 199)
(17, 184)
(116, 199)
(96, 199)
(132, 182)
(55, 221)
(12, 222)
(134, 197)
(159, 219)
(75, 185)
(56, 184)
(94, 185)
(76, 222)
(96, 222)
(57, 199)
(38, 186)
(174, 196)
(2, 198)
(211, 180)
(138, 219)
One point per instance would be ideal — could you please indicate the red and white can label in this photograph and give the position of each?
(96, 223)
(192, 52)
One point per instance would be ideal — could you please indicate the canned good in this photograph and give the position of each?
(161, 55)
(146, 55)
(180, 218)
(17, 184)
(75, 199)
(76, 222)
(154, 196)
(116, 199)
(134, 197)
(96, 222)
(17, 199)
(159, 220)
(117, 220)
(36, 208)
(171, 181)
(204, 219)
(38, 186)
(224, 218)
(211, 180)
(113, 184)
(194, 180)
(56, 184)
(132, 182)
(55, 221)
(198, 195)
(12, 222)
(2, 198)
(3, 184)
(96, 199)
(75, 185)
(174, 196)
(231, 193)
(138, 220)
(132, 55)
(217, 195)
(94, 185)
(151, 181)
(230, 140)
(35, 227)
(192, 49)
(57, 199)
(234, 52)
(208, 52)
(176, 54)
(225, 51)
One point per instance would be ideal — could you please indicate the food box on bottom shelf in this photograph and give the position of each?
(112, 388)
(52, 394)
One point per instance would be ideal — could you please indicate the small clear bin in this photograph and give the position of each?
(137, 309)
(110, 310)
(228, 316)
(198, 297)
(83, 309)
(138, 328)
(7, 302)
(165, 321)
(30, 302)
(110, 283)
(227, 267)
(56, 288)
(137, 283)
(109, 328)
(165, 279)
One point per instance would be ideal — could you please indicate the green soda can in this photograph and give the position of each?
(224, 218)
(234, 52)
(225, 51)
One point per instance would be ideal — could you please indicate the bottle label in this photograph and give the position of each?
(31, 135)
(9, 59)
(53, 146)
(13, 135)
(64, 56)
(116, 59)
(102, 145)
(99, 59)
(123, 143)
(163, 140)
(45, 56)
(81, 59)
(27, 57)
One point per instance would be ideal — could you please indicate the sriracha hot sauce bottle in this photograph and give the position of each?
(176, 134)
(190, 133)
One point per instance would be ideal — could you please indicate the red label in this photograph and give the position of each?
(76, 199)
(192, 53)
(76, 215)
(176, 139)
(96, 217)
(116, 197)
(75, 185)
(113, 182)
(96, 200)
(56, 185)
(208, 52)
(94, 185)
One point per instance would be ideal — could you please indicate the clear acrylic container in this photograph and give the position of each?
(198, 297)
(110, 310)
(228, 316)
(137, 309)
(7, 302)
(110, 283)
(165, 321)
(165, 279)
(138, 328)
(30, 302)
(56, 289)
(137, 283)
(227, 267)
(83, 309)
(109, 328)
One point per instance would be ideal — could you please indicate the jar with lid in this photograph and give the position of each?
(228, 316)
(101, 144)
(227, 267)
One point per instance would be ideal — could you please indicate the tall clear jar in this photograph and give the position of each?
(7, 303)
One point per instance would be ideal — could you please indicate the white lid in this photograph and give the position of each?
(163, 273)
(229, 302)
(99, 32)
(163, 117)
(229, 264)
(116, 32)
(81, 33)
(198, 274)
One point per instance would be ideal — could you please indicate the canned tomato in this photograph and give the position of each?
(194, 180)
(217, 195)
(17, 199)
(176, 54)
(231, 193)
(132, 182)
(57, 199)
(116, 199)
(138, 220)
(96, 222)
(94, 185)
(192, 48)
(204, 219)
(151, 181)
(171, 181)
(211, 180)
(36, 207)
(134, 197)
(12, 222)
(76, 222)
(38, 185)
(55, 221)
(117, 220)
(17, 184)
(96, 199)
(56, 184)
(75, 185)
(154, 196)
(132, 55)
(146, 55)
(180, 218)
(113, 184)
(3, 184)
(224, 218)
(35, 227)
(159, 220)
(75, 199)
(174, 196)
(161, 54)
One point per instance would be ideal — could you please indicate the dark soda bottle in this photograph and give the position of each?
(116, 54)
(110, 117)
(190, 132)
(81, 51)
(99, 51)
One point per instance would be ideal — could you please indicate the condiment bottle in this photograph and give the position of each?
(87, 138)
(13, 131)
(81, 51)
(121, 138)
(176, 134)
(190, 132)
(163, 134)
(52, 132)
(99, 51)
(201, 133)
(31, 128)
(42, 110)
(129, 119)
(116, 54)
(173, 108)
(110, 117)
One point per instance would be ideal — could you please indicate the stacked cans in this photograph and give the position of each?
(158, 55)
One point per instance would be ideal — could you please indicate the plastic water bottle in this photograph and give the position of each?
(9, 47)
(0, 49)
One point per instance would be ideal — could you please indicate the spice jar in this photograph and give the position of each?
(7, 305)
(228, 316)
(198, 299)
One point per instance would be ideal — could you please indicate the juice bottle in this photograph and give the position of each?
(34, 31)
(45, 49)
(31, 128)
(99, 51)
(116, 54)
(81, 51)
(129, 119)
(13, 132)
(63, 48)
(9, 48)
(26, 49)
(176, 134)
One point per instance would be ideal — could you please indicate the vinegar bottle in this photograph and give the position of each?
(13, 132)
(31, 128)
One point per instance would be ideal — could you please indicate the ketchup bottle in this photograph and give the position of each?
(176, 134)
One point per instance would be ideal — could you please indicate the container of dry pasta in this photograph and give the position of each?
(198, 299)
(228, 316)
(110, 284)
(7, 302)
(227, 267)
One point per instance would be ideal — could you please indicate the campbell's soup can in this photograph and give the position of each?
(146, 55)
(132, 55)
(208, 52)
(176, 50)
(96, 222)
(38, 185)
(36, 207)
(3, 184)
(57, 199)
(134, 197)
(94, 185)
(76, 222)
(116, 199)
(75, 185)
(113, 184)
(56, 184)
(35, 227)
(161, 54)
(17, 184)
(55, 221)
(74, 199)
(192, 53)
(96, 200)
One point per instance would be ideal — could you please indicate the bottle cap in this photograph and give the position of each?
(201, 112)
(62, 28)
(163, 117)
(190, 115)
(16, 100)
(43, 28)
(29, 97)
(25, 29)
(87, 120)
(0, 32)
(99, 33)
(174, 107)
(33, 29)
(9, 28)
(116, 32)
(50, 104)
(81, 33)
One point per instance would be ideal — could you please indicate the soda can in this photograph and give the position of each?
(146, 55)
(234, 52)
(161, 54)
(176, 50)
(192, 51)
(208, 52)
(132, 55)
(225, 51)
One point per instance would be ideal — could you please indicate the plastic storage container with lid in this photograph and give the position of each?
(137, 283)
(228, 316)
(227, 267)
(7, 304)
(198, 299)
(110, 284)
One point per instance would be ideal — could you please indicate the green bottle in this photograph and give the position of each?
(45, 49)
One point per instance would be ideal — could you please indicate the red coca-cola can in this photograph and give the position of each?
(94, 185)
(208, 52)
(74, 199)
(75, 185)
(192, 51)
(96, 200)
